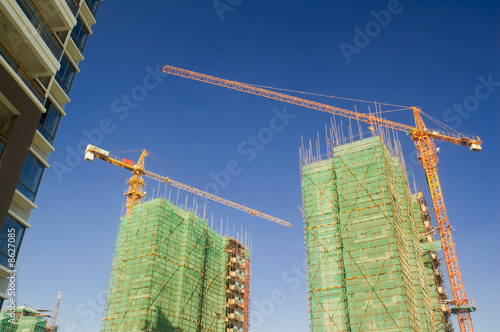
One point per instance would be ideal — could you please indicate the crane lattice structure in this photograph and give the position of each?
(424, 142)
(135, 192)
(56, 311)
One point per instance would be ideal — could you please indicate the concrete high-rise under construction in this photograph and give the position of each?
(171, 272)
(372, 263)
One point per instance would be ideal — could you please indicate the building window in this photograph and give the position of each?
(79, 34)
(2, 145)
(66, 74)
(30, 177)
(93, 4)
(49, 121)
(73, 6)
(14, 231)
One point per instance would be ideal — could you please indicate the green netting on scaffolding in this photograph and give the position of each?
(362, 245)
(31, 324)
(168, 273)
(5, 325)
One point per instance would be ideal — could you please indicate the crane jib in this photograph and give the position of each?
(424, 142)
(460, 139)
(135, 192)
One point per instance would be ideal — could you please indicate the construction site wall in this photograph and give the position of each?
(363, 253)
(169, 272)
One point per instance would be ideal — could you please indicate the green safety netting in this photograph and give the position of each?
(168, 274)
(366, 270)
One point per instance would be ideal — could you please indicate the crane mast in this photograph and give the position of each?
(424, 142)
(427, 156)
(56, 311)
(136, 184)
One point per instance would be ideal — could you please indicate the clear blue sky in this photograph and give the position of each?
(429, 55)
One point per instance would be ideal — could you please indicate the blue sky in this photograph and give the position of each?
(440, 57)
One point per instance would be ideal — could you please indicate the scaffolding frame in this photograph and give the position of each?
(238, 286)
(26, 319)
(365, 267)
(169, 273)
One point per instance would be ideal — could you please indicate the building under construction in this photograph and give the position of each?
(372, 262)
(24, 319)
(171, 272)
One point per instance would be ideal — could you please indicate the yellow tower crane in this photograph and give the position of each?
(424, 142)
(136, 183)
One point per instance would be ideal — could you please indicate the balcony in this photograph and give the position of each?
(21, 207)
(42, 146)
(236, 260)
(236, 288)
(32, 85)
(234, 315)
(42, 27)
(59, 15)
(25, 43)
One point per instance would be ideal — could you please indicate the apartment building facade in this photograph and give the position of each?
(41, 46)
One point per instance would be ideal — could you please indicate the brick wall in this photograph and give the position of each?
(18, 139)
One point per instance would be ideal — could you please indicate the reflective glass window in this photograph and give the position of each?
(80, 34)
(30, 177)
(11, 238)
(65, 74)
(49, 121)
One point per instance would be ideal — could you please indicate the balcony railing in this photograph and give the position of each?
(41, 26)
(73, 6)
(31, 84)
